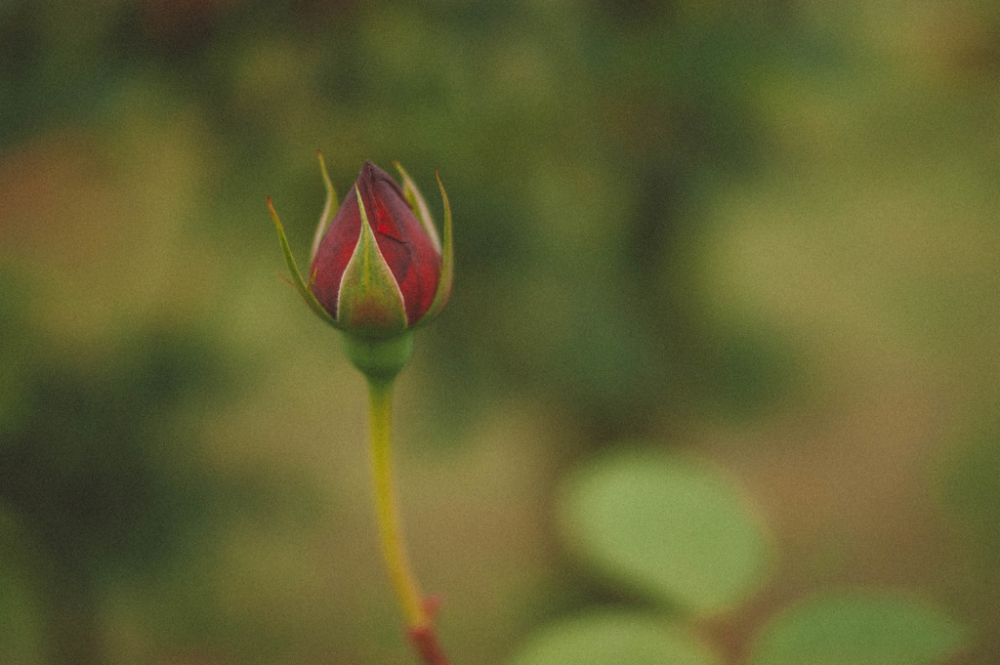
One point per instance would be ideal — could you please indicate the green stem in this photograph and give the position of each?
(387, 512)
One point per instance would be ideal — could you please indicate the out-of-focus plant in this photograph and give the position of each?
(85, 493)
(681, 536)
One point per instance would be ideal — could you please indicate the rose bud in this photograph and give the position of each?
(378, 268)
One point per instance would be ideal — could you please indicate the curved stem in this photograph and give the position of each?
(386, 510)
(420, 627)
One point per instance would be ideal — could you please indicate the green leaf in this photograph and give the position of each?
(859, 629)
(614, 638)
(669, 528)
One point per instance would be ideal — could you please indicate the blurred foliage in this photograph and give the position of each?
(670, 528)
(681, 535)
(972, 491)
(859, 628)
(85, 487)
(764, 232)
(614, 638)
(537, 116)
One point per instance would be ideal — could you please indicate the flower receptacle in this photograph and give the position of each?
(380, 360)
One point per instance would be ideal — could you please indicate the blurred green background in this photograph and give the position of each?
(762, 235)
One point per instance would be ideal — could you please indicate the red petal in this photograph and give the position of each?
(334, 253)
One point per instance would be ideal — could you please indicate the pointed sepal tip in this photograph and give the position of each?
(447, 261)
(296, 277)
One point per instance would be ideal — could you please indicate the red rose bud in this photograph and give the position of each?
(378, 268)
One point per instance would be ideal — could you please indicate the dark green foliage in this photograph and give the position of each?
(90, 486)
(972, 491)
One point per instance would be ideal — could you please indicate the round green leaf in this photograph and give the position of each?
(859, 629)
(669, 528)
(614, 639)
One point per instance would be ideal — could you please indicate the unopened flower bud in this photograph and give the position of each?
(378, 268)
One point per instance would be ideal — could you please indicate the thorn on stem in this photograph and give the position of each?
(425, 642)
(432, 605)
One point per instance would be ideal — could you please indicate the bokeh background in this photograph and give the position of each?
(762, 234)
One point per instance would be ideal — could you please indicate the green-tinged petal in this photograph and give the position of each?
(447, 262)
(369, 303)
(329, 208)
(297, 281)
(418, 205)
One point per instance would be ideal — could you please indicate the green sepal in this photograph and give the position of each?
(380, 360)
(296, 280)
(369, 304)
(329, 208)
(447, 263)
(418, 206)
